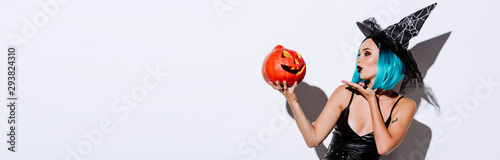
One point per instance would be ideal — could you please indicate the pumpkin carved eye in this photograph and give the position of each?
(286, 54)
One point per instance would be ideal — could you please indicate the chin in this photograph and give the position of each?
(366, 77)
(363, 77)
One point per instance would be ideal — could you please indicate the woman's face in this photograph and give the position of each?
(367, 60)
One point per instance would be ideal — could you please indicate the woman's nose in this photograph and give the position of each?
(359, 59)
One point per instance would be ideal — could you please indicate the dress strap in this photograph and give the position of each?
(395, 105)
(390, 114)
(352, 96)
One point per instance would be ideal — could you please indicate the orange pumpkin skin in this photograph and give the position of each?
(284, 65)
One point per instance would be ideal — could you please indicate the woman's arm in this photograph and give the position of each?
(315, 133)
(387, 139)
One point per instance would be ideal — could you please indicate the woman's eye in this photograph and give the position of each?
(367, 53)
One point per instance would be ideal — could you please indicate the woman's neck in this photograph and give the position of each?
(388, 93)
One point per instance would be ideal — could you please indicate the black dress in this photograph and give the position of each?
(348, 145)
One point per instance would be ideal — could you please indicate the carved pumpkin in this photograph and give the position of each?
(284, 65)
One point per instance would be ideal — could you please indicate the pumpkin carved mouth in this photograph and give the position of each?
(292, 70)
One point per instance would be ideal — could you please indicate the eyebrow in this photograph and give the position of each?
(364, 49)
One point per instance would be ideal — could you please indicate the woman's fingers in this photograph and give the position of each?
(356, 86)
(278, 86)
(273, 85)
(270, 83)
(294, 86)
(283, 87)
(361, 84)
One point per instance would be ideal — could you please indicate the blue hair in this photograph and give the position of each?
(390, 68)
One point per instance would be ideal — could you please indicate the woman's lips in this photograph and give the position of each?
(359, 69)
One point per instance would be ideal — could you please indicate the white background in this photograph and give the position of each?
(84, 55)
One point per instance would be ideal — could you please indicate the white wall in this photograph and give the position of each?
(195, 80)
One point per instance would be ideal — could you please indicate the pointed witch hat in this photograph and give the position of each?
(397, 37)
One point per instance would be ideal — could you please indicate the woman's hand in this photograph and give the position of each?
(368, 93)
(289, 93)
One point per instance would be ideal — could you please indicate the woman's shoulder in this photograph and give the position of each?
(341, 92)
(408, 103)
(343, 89)
(340, 97)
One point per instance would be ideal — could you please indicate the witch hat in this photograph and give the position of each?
(397, 37)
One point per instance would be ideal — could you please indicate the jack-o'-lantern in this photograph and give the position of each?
(284, 65)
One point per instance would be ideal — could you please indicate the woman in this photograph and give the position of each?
(370, 119)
